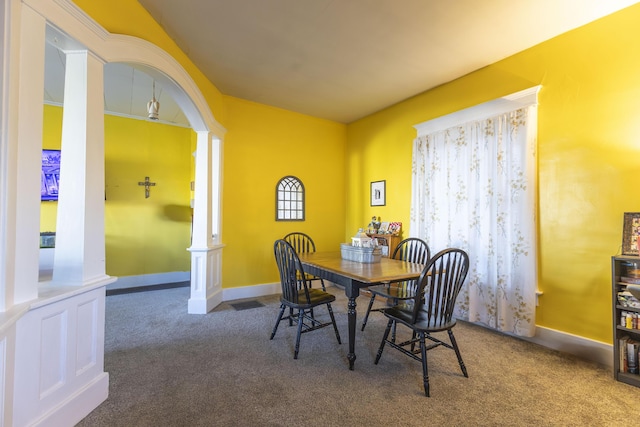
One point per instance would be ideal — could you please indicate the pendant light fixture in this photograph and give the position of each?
(153, 106)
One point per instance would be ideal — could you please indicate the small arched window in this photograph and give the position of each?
(290, 199)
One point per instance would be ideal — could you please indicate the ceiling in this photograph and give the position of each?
(126, 89)
(339, 59)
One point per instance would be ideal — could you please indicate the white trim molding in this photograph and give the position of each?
(230, 294)
(581, 347)
(481, 111)
(126, 282)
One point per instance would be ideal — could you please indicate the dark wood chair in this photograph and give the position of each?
(411, 250)
(303, 244)
(431, 310)
(298, 296)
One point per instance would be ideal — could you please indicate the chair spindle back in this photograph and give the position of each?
(412, 250)
(292, 277)
(301, 242)
(440, 284)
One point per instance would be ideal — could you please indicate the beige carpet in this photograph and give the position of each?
(169, 368)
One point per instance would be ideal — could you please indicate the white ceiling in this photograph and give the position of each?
(341, 59)
(126, 90)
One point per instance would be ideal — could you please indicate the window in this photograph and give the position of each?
(474, 188)
(290, 199)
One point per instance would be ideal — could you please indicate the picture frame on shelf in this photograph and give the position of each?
(394, 227)
(631, 233)
(384, 227)
(378, 196)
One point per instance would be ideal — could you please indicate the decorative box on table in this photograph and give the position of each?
(360, 254)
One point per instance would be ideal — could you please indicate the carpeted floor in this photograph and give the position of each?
(169, 368)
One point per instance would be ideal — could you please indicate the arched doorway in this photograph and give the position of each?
(53, 335)
(206, 241)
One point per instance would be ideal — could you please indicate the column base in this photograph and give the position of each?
(206, 286)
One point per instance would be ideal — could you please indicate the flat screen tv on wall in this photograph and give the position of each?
(50, 176)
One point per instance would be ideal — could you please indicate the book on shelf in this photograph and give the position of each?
(622, 353)
(632, 356)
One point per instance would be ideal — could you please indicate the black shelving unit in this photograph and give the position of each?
(619, 266)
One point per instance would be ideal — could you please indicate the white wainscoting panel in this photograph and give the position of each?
(206, 286)
(87, 336)
(60, 359)
(53, 336)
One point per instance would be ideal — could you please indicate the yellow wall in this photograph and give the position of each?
(263, 145)
(588, 151)
(143, 236)
(587, 159)
(147, 235)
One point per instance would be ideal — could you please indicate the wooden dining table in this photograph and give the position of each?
(353, 276)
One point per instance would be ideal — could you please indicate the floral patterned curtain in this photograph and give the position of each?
(474, 189)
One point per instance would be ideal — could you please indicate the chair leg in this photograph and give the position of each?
(425, 370)
(275, 328)
(384, 341)
(298, 333)
(366, 316)
(393, 332)
(333, 320)
(457, 350)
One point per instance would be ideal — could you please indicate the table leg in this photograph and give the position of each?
(351, 316)
(351, 290)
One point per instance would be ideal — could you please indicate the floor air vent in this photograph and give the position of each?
(247, 305)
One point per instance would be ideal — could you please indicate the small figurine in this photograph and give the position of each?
(374, 225)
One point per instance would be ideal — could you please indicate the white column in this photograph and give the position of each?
(216, 188)
(7, 172)
(29, 156)
(206, 258)
(80, 243)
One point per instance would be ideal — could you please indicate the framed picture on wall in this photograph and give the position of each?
(50, 175)
(378, 193)
(631, 233)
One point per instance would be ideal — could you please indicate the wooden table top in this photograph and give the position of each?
(387, 270)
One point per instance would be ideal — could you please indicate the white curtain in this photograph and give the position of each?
(474, 189)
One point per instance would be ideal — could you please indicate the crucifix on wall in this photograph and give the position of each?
(146, 184)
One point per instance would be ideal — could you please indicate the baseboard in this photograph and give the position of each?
(149, 279)
(148, 288)
(79, 405)
(229, 294)
(584, 348)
